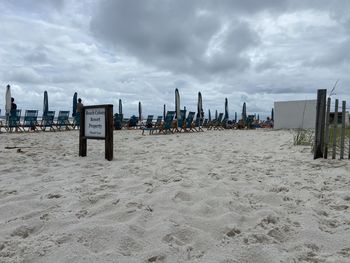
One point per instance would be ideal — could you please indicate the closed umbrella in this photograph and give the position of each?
(164, 111)
(140, 111)
(177, 103)
(216, 114)
(244, 112)
(272, 114)
(46, 104)
(199, 106)
(226, 109)
(209, 115)
(75, 102)
(120, 107)
(8, 100)
(235, 117)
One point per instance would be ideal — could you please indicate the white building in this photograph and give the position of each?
(295, 114)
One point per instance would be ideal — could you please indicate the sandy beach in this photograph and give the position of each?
(215, 196)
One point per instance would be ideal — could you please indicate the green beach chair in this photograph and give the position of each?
(30, 120)
(180, 122)
(76, 121)
(14, 121)
(118, 121)
(218, 124)
(47, 121)
(189, 121)
(62, 120)
(154, 127)
(197, 124)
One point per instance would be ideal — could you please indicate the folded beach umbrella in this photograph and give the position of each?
(177, 103)
(235, 117)
(140, 111)
(164, 111)
(272, 114)
(199, 106)
(46, 103)
(244, 112)
(209, 115)
(258, 117)
(120, 107)
(75, 102)
(8, 100)
(226, 109)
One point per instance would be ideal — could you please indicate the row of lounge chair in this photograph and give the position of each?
(169, 125)
(191, 124)
(31, 122)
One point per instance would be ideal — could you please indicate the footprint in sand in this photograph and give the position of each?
(182, 196)
(232, 232)
(157, 259)
(52, 196)
(81, 214)
(180, 237)
(24, 231)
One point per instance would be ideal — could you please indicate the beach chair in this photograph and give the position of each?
(30, 120)
(249, 121)
(189, 121)
(205, 123)
(132, 122)
(47, 121)
(220, 122)
(149, 122)
(76, 121)
(167, 125)
(179, 124)
(118, 121)
(196, 126)
(217, 122)
(154, 127)
(13, 121)
(62, 120)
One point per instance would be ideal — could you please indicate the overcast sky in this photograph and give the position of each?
(249, 51)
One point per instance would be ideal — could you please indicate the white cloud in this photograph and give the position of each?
(254, 51)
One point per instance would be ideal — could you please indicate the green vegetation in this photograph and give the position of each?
(338, 135)
(304, 137)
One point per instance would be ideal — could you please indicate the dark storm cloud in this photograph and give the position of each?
(181, 36)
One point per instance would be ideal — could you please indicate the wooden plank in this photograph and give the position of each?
(326, 143)
(320, 122)
(109, 133)
(335, 125)
(342, 134)
(82, 139)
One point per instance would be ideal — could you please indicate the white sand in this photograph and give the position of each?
(217, 196)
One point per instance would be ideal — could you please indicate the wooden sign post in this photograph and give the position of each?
(97, 123)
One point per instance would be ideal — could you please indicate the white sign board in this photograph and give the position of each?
(95, 125)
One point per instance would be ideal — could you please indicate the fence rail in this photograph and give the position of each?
(332, 128)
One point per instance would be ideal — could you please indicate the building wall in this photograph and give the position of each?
(295, 114)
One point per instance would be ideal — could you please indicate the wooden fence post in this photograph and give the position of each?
(342, 135)
(320, 121)
(327, 129)
(334, 153)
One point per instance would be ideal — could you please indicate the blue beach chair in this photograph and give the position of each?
(62, 120)
(14, 121)
(47, 121)
(30, 120)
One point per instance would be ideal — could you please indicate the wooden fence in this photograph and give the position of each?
(332, 133)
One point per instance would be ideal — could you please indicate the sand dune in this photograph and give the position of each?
(217, 196)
